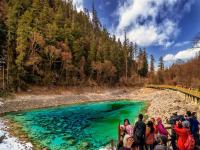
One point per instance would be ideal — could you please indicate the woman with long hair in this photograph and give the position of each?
(149, 136)
(127, 128)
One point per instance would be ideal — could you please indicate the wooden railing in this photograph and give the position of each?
(189, 92)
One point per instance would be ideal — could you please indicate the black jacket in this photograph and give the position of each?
(139, 132)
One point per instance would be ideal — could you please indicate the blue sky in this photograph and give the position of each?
(164, 27)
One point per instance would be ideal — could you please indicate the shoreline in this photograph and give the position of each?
(10, 141)
(77, 103)
(159, 103)
(27, 101)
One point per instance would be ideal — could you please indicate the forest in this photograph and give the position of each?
(48, 42)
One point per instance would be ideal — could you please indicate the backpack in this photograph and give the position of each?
(139, 132)
(190, 142)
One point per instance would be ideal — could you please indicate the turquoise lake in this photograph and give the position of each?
(84, 126)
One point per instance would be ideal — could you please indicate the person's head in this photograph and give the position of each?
(126, 122)
(140, 116)
(182, 119)
(186, 124)
(174, 114)
(153, 120)
(188, 113)
(150, 125)
(194, 114)
(159, 120)
(180, 125)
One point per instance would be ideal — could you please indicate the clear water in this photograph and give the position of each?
(84, 126)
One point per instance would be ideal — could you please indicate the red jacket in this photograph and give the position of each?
(155, 129)
(182, 134)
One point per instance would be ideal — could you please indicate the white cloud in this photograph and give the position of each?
(146, 35)
(187, 54)
(183, 55)
(79, 5)
(140, 19)
(169, 57)
(143, 35)
(179, 44)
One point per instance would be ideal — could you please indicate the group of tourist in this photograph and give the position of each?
(153, 135)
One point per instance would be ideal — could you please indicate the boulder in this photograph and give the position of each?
(85, 145)
(2, 136)
(72, 142)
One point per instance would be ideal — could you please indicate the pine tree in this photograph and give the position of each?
(95, 19)
(160, 73)
(23, 34)
(125, 50)
(12, 21)
(161, 64)
(3, 32)
(143, 71)
(152, 61)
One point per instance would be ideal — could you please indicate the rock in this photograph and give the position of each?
(85, 144)
(2, 136)
(72, 142)
(23, 136)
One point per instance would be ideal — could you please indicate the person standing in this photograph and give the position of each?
(127, 128)
(182, 135)
(161, 129)
(149, 136)
(195, 128)
(139, 133)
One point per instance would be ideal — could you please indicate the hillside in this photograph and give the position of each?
(49, 42)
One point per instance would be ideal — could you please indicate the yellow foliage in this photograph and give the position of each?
(177, 88)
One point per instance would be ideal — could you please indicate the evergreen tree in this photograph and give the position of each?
(125, 50)
(95, 20)
(3, 32)
(14, 11)
(143, 71)
(22, 49)
(152, 64)
(161, 64)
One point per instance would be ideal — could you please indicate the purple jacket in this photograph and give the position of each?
(161, 129)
